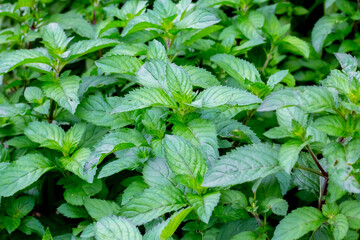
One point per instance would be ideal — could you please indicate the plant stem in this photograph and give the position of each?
(323, 193)
(311, 170)
(325, 185)
(94, 18)
(268, 58)
(317, 161)
(51, 111)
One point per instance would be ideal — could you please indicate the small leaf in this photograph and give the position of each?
(277, 77)
(204, 205)
(98, 208)
(20, 207)
(299, 222)
(156, 51)
(289, 153)
(47, 235)
(173, 223)
(200, 77)
(298, 46)
(341, 226)
(348, 63)
(72, 211)
(198, 19)
(113, 227)
(351, 209)
(179, 83)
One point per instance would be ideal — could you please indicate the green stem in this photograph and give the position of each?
(268, 58)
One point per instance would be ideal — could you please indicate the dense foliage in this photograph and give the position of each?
(216, 120)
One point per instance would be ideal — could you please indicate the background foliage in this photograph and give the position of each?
(213, 119)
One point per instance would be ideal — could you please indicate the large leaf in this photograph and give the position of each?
(46, 134)
(332, 125)
(98, 208)
(64, 91)
(299, 222)
(198, 19)
(200, 77)
(222, 95)
(71, 211)
(87, 46)
(22, 173)
(204, 205)
(152, 203)
(179, 83)
(311, 99)
(244, 164)
(201, 133)
(97, 109)
(113, 227)
(323, 27)
(119, 64)
(351, 209)
(17, 58)
(174, 222)
(184, 158)
(237, 68)
(143, 98)
(55, 38)
(297, 46)
(114, 141)
(157, 172)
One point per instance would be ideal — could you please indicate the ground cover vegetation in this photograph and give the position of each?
(192, 120)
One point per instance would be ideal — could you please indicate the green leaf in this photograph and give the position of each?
(10, 223)
(119, 64)
(184, 158)
(277, 77)
(199, 77)
(97, 109)
(204, 205)
(157, 172)
(20, 57)
(289, 153)
(20, 207)
(236, 130)
(304, 179)
(72, 211)
(341, 226)
(54, 38)
(112, 142)
(198, 19)
(46, 134)
(323, 27)
(143, 98)
(98, 208)
(156, 51)
(64, 91)
(146, 206)
(179, 83)
(73, 137)
(22, 173)
(113, 227)
(153, 74)
(277, 132)
(351, 209)
(348, 63)
(237, 68)
(75, 163)
(299, 222)
(296, 46)
(33, 95)
(47, 235)
(173, 223)
(126, 162)
(134, 188)
(31, 225)
(221, 95)
(11, 110)
(93, 83)
(311, 99)
(148, 20)
(202, 134)
(277, 205)
(332, 125)
(243, 164)
(88, 46)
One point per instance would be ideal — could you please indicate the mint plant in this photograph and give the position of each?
(179, 120)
